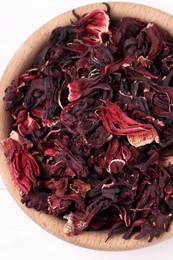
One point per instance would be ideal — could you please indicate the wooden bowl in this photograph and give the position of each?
(21, 61)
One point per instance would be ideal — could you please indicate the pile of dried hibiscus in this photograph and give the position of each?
(92, 133)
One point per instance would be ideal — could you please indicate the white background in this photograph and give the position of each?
(20, 238)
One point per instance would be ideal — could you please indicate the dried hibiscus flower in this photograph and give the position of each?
(92, 132)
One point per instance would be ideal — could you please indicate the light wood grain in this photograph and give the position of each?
(22, 60)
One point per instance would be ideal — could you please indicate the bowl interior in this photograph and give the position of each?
(22, 60)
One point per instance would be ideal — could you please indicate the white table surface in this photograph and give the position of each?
(20, 238)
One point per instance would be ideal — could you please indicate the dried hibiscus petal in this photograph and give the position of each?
(92, 130)
(22, 164)
(94, 24)
(137, 133)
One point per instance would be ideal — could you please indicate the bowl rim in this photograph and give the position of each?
(20, 60)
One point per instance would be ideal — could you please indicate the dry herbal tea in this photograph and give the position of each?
(92, 132)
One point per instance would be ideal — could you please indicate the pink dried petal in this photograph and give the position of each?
(80, 187)
(116, 166)
(95, 24)
(56, 205)
(23, 166)
(138, 133)
(74, 90)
